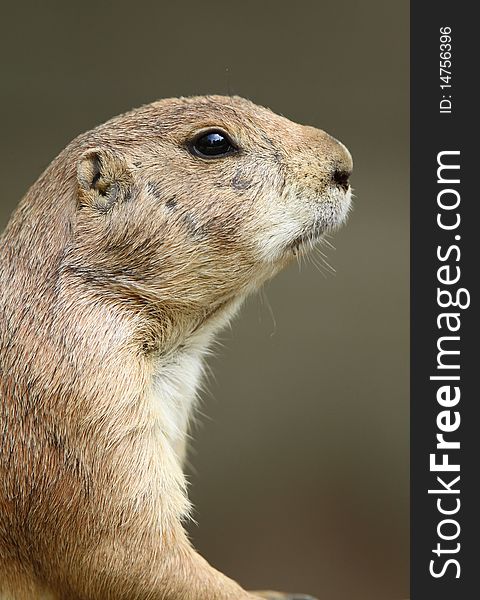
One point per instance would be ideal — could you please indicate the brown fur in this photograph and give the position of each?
(123, 253)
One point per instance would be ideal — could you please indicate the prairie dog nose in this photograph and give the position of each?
(338, 160)
(342, 166)
(341, 177)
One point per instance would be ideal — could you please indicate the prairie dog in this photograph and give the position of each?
(133, 248)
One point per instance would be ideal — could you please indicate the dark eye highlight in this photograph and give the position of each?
(212, 144)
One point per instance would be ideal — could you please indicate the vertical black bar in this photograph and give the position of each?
(432, 131)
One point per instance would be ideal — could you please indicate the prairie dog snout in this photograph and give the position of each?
(133, 248)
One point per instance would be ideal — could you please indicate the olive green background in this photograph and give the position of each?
(300, 465)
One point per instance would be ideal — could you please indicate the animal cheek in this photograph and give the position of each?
(192, 226)
(240, 182)
(171, 203)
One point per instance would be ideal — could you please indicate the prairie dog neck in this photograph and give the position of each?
(176, 379)
(174, 390)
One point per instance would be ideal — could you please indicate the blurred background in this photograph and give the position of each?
(299, 472)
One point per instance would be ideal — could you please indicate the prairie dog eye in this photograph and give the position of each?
(214, 143)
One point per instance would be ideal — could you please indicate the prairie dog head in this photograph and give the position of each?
(196, 201)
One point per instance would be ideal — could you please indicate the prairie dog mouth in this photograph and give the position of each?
(330, 214)
(307, 239)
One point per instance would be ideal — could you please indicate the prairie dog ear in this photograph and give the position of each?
(103, 178)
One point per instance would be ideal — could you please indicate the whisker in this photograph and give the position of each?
(264, 299)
